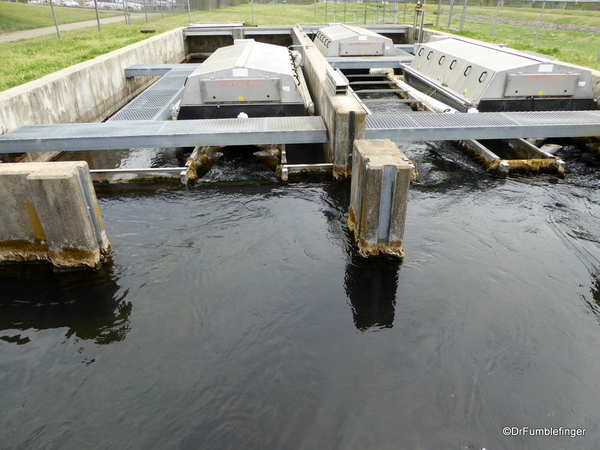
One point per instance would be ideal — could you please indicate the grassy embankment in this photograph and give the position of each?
(575, 47)
(19, 16)
(31, 59)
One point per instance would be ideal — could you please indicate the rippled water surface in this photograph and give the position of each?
(240, 317)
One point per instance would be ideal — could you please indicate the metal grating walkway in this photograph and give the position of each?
(159, 134)
(155, 102)
(509, 125)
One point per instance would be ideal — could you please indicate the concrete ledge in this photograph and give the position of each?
(50, 213)
(90, 91)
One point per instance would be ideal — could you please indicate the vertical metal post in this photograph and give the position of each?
(450, 14)
(365, 12)
(345, 20)
(97, 15)
(439, 13)
(496, 18)
(252, 9)
(462, 17)
(55, 21)
(421, 24)
(146, 10)
(386, 200)
(314, 19)
(537, 30)
(189, 11)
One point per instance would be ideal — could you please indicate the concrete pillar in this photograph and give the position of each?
(238, 33)
(50, 213)
(381, 177)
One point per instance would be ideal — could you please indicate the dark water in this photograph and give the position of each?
(239, 316)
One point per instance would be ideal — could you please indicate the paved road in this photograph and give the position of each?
(27, 34)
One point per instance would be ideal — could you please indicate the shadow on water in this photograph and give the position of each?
(86, 303)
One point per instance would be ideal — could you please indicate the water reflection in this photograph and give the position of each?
(371, 286)
(594, 301)
(88, 304)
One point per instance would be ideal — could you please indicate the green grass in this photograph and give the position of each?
(31, 59)
(21, 16)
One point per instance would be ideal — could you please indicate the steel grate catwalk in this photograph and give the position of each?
(492, 125)
(155, 102)
(170, 133)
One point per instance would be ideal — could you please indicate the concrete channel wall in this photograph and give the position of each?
(343, 115)
(87, 92)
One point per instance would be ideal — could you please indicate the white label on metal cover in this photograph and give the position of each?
(362, 38)
(285, 88)
(546, 68)
(240, 72)
(582, 84)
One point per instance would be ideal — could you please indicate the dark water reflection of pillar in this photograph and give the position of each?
(370, 284)
(371, 287)
(87, 303)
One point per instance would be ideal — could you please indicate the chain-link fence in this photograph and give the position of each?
(60, 14)
(575, 24)
(550, 26)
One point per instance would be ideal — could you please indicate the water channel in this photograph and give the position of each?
(237, 315)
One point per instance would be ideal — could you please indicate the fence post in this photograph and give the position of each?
(450, 14)
(537, 30)
(55, 21)
(496, 18)
(462, 18)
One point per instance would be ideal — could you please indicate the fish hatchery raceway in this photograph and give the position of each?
(240, 316)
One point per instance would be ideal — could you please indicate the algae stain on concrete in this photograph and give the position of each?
(36, 224)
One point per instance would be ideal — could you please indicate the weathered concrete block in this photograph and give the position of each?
(50, 213)
(381, 177)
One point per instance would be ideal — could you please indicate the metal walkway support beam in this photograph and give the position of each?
(164, 134)
(381, 177)
(492, 125)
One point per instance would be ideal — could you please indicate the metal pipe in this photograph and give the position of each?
(433, 104)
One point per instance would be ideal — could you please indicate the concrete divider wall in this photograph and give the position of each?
(343, 115)
(90, 91)
(50, 213)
